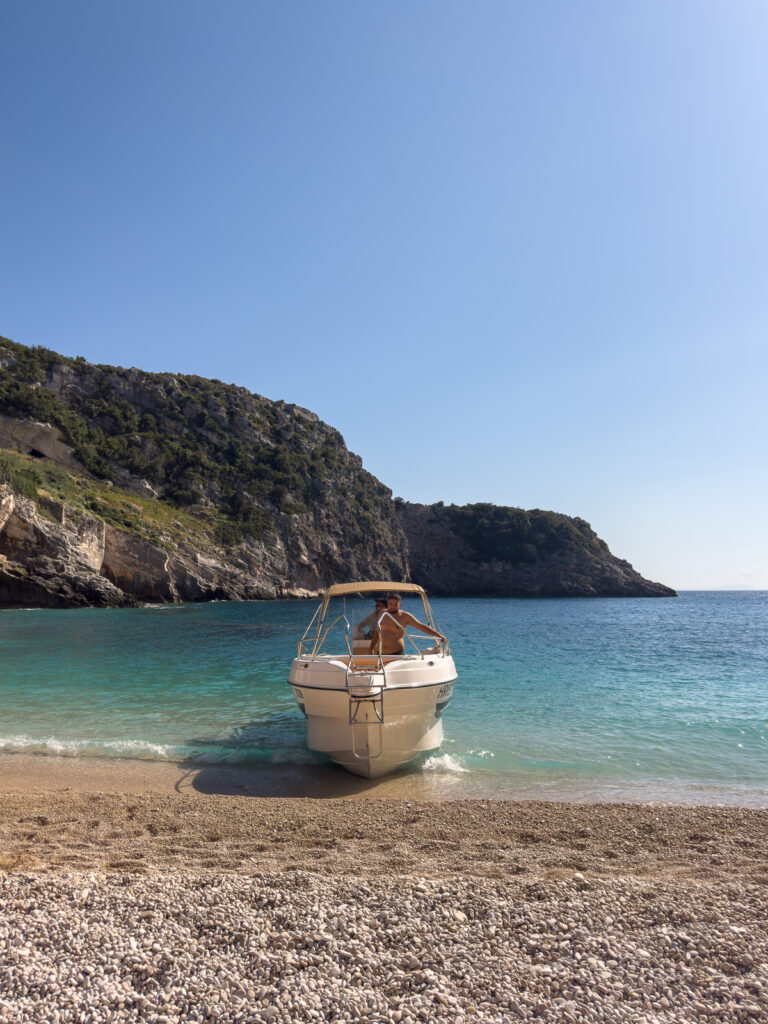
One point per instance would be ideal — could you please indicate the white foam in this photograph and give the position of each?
(144, 750)
(84, 748)
(444, 763)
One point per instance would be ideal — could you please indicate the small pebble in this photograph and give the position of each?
(309, 948)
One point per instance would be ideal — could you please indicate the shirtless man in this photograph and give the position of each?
(391, 634)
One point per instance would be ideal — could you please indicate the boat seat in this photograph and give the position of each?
(370, 660)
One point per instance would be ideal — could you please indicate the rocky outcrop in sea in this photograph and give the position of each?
(486, 551)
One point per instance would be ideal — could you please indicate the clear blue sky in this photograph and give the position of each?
(515, 252)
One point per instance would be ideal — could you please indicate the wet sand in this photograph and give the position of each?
(83, 814)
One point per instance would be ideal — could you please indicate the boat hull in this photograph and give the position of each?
(370, 729)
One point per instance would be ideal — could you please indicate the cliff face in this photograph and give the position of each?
(483, 550)
(119, 486)
(46, 565)
(204, 490)
(54, 556)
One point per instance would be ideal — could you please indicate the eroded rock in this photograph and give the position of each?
(40, 439)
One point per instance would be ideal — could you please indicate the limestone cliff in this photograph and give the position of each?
(484, 550)
(119, 486)
(53, 555)
(49, 564)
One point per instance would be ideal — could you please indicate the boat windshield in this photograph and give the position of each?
(343, 625)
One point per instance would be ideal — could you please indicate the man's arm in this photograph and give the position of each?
(412, 621)
(374, 641)
(365, 626)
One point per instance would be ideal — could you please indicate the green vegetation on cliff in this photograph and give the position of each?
(195, 441)
(497, 533)
(49, 486)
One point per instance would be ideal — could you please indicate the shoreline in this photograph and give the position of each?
(325, 781)
(191, 833)
(74, 814)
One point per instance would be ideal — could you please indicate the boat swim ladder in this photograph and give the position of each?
(367, 734)
(366, 700)
(366, 707)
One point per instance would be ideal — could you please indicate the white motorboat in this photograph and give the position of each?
(371, 713)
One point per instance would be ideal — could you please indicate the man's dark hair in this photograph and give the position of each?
(394, 597)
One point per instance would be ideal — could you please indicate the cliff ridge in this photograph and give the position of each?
(121, 486)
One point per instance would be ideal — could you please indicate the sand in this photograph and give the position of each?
(132, 892)
(83, 814)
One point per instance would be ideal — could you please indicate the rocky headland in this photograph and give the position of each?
(119, 487)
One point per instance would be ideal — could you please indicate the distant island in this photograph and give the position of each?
(119, 487)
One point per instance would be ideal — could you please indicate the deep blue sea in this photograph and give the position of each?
(654, 699)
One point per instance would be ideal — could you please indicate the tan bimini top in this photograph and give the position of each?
(340, 589)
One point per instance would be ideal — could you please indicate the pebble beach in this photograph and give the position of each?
(163, 903)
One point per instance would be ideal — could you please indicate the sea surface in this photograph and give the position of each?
(580, 699)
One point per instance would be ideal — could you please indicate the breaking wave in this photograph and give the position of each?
(444, 763)
(140, 749)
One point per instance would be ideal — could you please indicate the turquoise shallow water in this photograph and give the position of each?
(581, 699)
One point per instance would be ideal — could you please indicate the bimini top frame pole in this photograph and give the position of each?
(376, 586)
(341, 589)
(345, 589)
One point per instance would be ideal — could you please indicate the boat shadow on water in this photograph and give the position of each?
(268, 757)
(324, 781)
